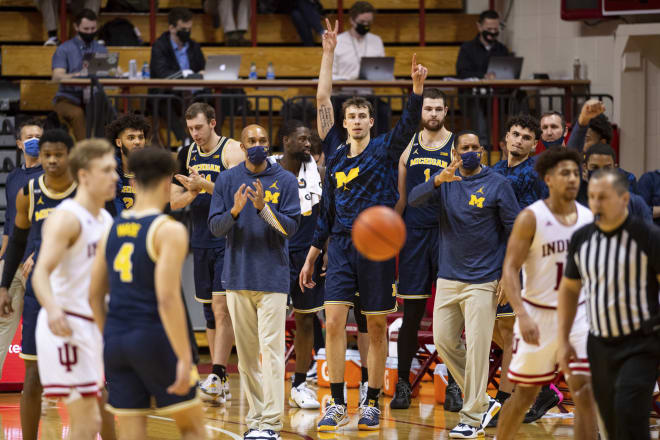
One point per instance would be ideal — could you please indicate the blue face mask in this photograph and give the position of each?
(31, 147)
(257, 155)
(471, 160)
(557, 143)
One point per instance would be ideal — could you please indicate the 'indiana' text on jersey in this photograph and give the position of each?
(423, 162)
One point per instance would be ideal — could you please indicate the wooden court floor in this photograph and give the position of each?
(424, 420)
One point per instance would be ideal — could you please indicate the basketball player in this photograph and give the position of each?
(128, 133)
(359, 174)
(538, 244)
(429, 152)
(68, 342)
(33, 205)
(147, 352)
(200, 163)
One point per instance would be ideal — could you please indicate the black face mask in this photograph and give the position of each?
(362, 28)
(87, 37)
(490, 37)
(183, 35)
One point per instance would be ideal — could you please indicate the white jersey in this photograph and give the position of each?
(544, 266)
(70, 279)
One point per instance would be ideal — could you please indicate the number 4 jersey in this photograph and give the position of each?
(544, 266)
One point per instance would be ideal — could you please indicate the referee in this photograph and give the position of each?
(617, 260)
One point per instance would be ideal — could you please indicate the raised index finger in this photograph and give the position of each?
(414, 62)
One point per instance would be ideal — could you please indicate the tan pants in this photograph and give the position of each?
(259, 319)
(73, 115)
(473, 307)
(229, 21)
(50, 10)
(9, 324)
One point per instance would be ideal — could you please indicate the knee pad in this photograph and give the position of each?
(210, 317)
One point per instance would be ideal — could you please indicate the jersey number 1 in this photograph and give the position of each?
(427, 174)
(123, 263)
(560, 273)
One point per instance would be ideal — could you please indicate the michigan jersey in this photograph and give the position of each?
(423, 162)
(126, 193)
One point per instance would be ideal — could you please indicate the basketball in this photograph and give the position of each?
(379, 233)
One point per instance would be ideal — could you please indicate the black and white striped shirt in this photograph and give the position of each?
(618, 270)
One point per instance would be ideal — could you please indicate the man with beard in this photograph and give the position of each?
(428, 153)
(553, 131)
(127, 133)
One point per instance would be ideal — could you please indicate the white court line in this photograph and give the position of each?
(213, 428)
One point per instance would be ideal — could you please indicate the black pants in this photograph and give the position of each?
(623, 374)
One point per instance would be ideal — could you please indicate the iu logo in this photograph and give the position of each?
(68, 355)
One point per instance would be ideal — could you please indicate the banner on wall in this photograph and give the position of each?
(13, 372)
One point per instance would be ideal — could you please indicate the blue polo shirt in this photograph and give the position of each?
(69, 56)
(181, 55)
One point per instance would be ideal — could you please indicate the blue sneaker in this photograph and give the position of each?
(369, 417)
(335, 416)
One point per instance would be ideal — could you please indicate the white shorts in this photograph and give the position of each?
(537, 364)
(70, 364)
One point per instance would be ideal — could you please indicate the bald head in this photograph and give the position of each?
(254, 135)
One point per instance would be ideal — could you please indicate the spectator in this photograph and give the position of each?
(50, 12)
(553, 131)
(649, 189)
(234, 15)
(68, 63)
(306, 16)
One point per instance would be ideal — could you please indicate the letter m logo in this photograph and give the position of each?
(343, 179)
(271, 197)
(477, 201)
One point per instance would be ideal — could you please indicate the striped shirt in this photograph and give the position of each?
(619, 271)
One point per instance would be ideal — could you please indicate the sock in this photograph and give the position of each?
(404, 376)
(52, 33)
(337, 391)
(450, 379)
(219, 370)
(365, 374)
(501, 396)
(372, 394)
(299, 378)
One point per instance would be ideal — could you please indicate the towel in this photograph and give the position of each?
(309, 184)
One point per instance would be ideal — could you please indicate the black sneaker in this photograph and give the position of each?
(546, 400)
(402, 395)
(453, 398)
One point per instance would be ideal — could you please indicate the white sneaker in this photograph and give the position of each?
(52, 41)
(303, 397)
(363, 392)
(212, 389)
(225, 388)
(262, 434)
(464, 431)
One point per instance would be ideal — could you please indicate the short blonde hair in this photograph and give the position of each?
(86, 151)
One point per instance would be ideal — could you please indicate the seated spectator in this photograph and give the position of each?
(234, 15)
(50, 12)
(68, 63)
(306, 17)
(553, 131)
(649, 189)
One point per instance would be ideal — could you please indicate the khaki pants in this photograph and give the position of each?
(259, 319)
(471, 306)
(9, 324)
(73, 115)
(230, 22)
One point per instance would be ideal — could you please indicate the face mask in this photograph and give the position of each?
(557, 143)
(362, 28)
(87, 37)
(183, 35)
(257, 155)
(31, 147)
(490, 37)
(471, 160)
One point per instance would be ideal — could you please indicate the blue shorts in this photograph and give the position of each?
(350, 272)
(311, 300)
(140, 364)
(418, 263)
(31, 309)
(207, 271)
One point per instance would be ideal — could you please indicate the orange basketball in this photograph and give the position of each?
(379, 233)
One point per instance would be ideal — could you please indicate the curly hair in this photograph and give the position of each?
(552, 156)
(132, 121)
(601, 125)
(524, 121)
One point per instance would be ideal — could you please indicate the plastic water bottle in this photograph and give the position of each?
(253, 71)
(270, 72)
(145, 71)
(132, 69)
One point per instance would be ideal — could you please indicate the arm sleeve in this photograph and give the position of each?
(327, 213)
(572, 270)
(14, 255)
(576, 140)
(398, 138)
(286, 218)
(424, 194)
(508, 207)
(644, 189)
(181, 158)
(220, 219)
(465, 66)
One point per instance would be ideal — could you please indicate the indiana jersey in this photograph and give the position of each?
(422, 163)
(70, 279)
(208, 165)
(544, 266)
(131, 261)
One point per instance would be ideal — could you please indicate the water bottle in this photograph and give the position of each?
(132, 69)
(270, 72)
(145, 71)
(576, 68)
(253, 71)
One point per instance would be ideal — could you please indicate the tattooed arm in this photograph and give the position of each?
(325, 117)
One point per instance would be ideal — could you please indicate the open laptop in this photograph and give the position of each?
(101, 65)
(505, 67)
(377, 68)
(222, 67)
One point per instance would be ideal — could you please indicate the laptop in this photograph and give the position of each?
(377, 68)
(505, 67)
(222, 67)
(101, 65)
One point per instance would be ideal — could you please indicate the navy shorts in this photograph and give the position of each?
(207, 271)
(350, 272)
(140, 364)
(311, 300)
(31, 309)
(418, 263)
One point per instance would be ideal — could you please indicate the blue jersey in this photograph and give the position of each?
(208, 165)
(302, 239)
(130, 259)
(525, 181)
(126, 194)
(355, 183)
(422, 163)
